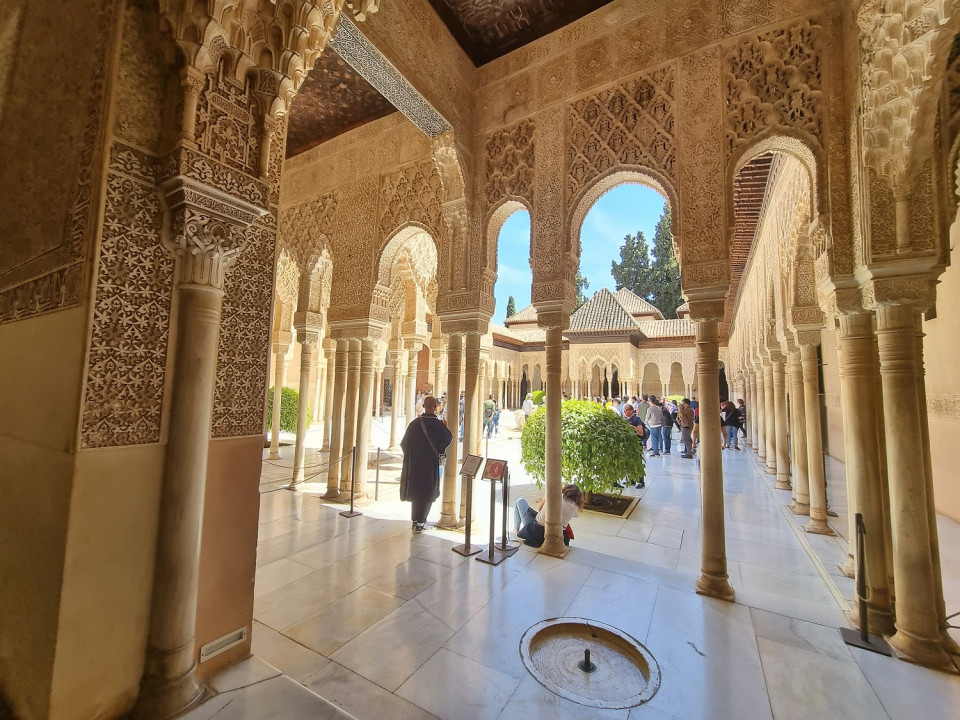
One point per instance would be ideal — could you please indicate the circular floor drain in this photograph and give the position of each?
(590, 663)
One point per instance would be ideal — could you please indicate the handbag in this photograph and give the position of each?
(441, 457)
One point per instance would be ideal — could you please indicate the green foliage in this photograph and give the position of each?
(511, 306)
(582, 286)
(655, 279)
(289, 398)
(598, 447)
(538, 397)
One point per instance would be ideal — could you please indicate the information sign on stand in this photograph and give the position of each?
(469, 469)
(494, 471)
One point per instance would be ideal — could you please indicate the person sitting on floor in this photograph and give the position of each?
(530, 523)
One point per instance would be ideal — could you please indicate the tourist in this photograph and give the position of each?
(424, 444)
(617, 407)
(640, 429)
(667, 426)
(729, 422)
(742, 411)
(530, 522)
(489, 407)
(654, 421)
(686, 420)
(460, 414)
(695, 435)
(528, 406)
(496, 420)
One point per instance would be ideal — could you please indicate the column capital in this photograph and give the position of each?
(553, 319)
(468, 323)
(207, 229)
(915, 290)
(365, 329)
(308, 337)
(308, 321)
(808, 338)
(706, 309)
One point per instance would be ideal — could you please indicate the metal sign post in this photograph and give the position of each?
(493, 471)
(505, 546)
(471, 463)
(863, 639)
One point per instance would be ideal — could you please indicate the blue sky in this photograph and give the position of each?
(622, 211)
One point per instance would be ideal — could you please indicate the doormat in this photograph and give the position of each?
(615, 505)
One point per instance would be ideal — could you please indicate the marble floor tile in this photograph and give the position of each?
(333, 550)
(708, 658)
(532, 701)
(666, 536)
(639, 531)
(909, 691)
(459, 595)
(628, 549)
(243, 673)
(363, 699)
(279, 698)
(338, 623)
(277, 574)
(274, 528)
(414, 635)
(410, 578)
(829, 614)
(645, 712)
(810, 588)
(452, 687)
(801, 634)
(295, 600)
(288, 656)
(804, 684)
(630, 613)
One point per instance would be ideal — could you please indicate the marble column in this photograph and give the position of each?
(471, 429)
(350, 416)
(279, 370)
(438, 353)
(862, 461)
(395, 401)
(949, 644)
(751, 410)
(713, 580)
(811, 409)
(364, 412)
(330, 350)
(918, 637)
(411, 383)
(308, 341)
(341, 351)
(754, 413)
(553, 480)
(780, 424)
(761, 415)
(801, 479)
(377, 391)
(769, 419)
(319, 384)
(448, 511)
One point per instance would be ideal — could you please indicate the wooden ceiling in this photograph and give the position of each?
(488, 29)
(332, 100)
(749, 192)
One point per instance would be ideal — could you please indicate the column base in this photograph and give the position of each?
(929, 653)
(783, 484)
(165, 698)
(325, 447)
(818, 527)
(798, 508)
(554, 548)
(949, 644)
(273, 456)
(770, 471)
(344, 497)
(879, 622)
(332, 494)
(447, 522)
(849, 567)
(715, 586)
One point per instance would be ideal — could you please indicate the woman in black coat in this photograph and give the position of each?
(423, 444)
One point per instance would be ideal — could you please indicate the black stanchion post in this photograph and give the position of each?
(353, 481)
(505, 546)
(491, 557)
(863, 639)
(467, 549)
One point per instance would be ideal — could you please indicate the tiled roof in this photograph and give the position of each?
(685, 308)
(528, 314)
(657, 329)
(636, 305)
(520, 335)
(602, 312)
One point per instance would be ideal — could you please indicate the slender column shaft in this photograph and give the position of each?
(438, 377)
(780, 425)
(306, 370)
(713, 579)
(818, 481)
(769, 419)
(395, 401)
(748, 399)
(377, 392)
(754, 413)
(553, 480)
(319, 385)
(350, 414)
(801, 478)
(279, 370)
(331, 353)
(364, 410)
(918, 636)
(170, 682)
(470, 405)
(448, 511)
(336, 423)
(761, 417)
(861, 460)
(411, 394)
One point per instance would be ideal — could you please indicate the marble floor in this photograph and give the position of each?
(381, 623)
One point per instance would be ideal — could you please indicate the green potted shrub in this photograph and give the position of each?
(598, 447)
(289, 399)
(538, 397)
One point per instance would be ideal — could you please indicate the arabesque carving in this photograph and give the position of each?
(509, 162)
